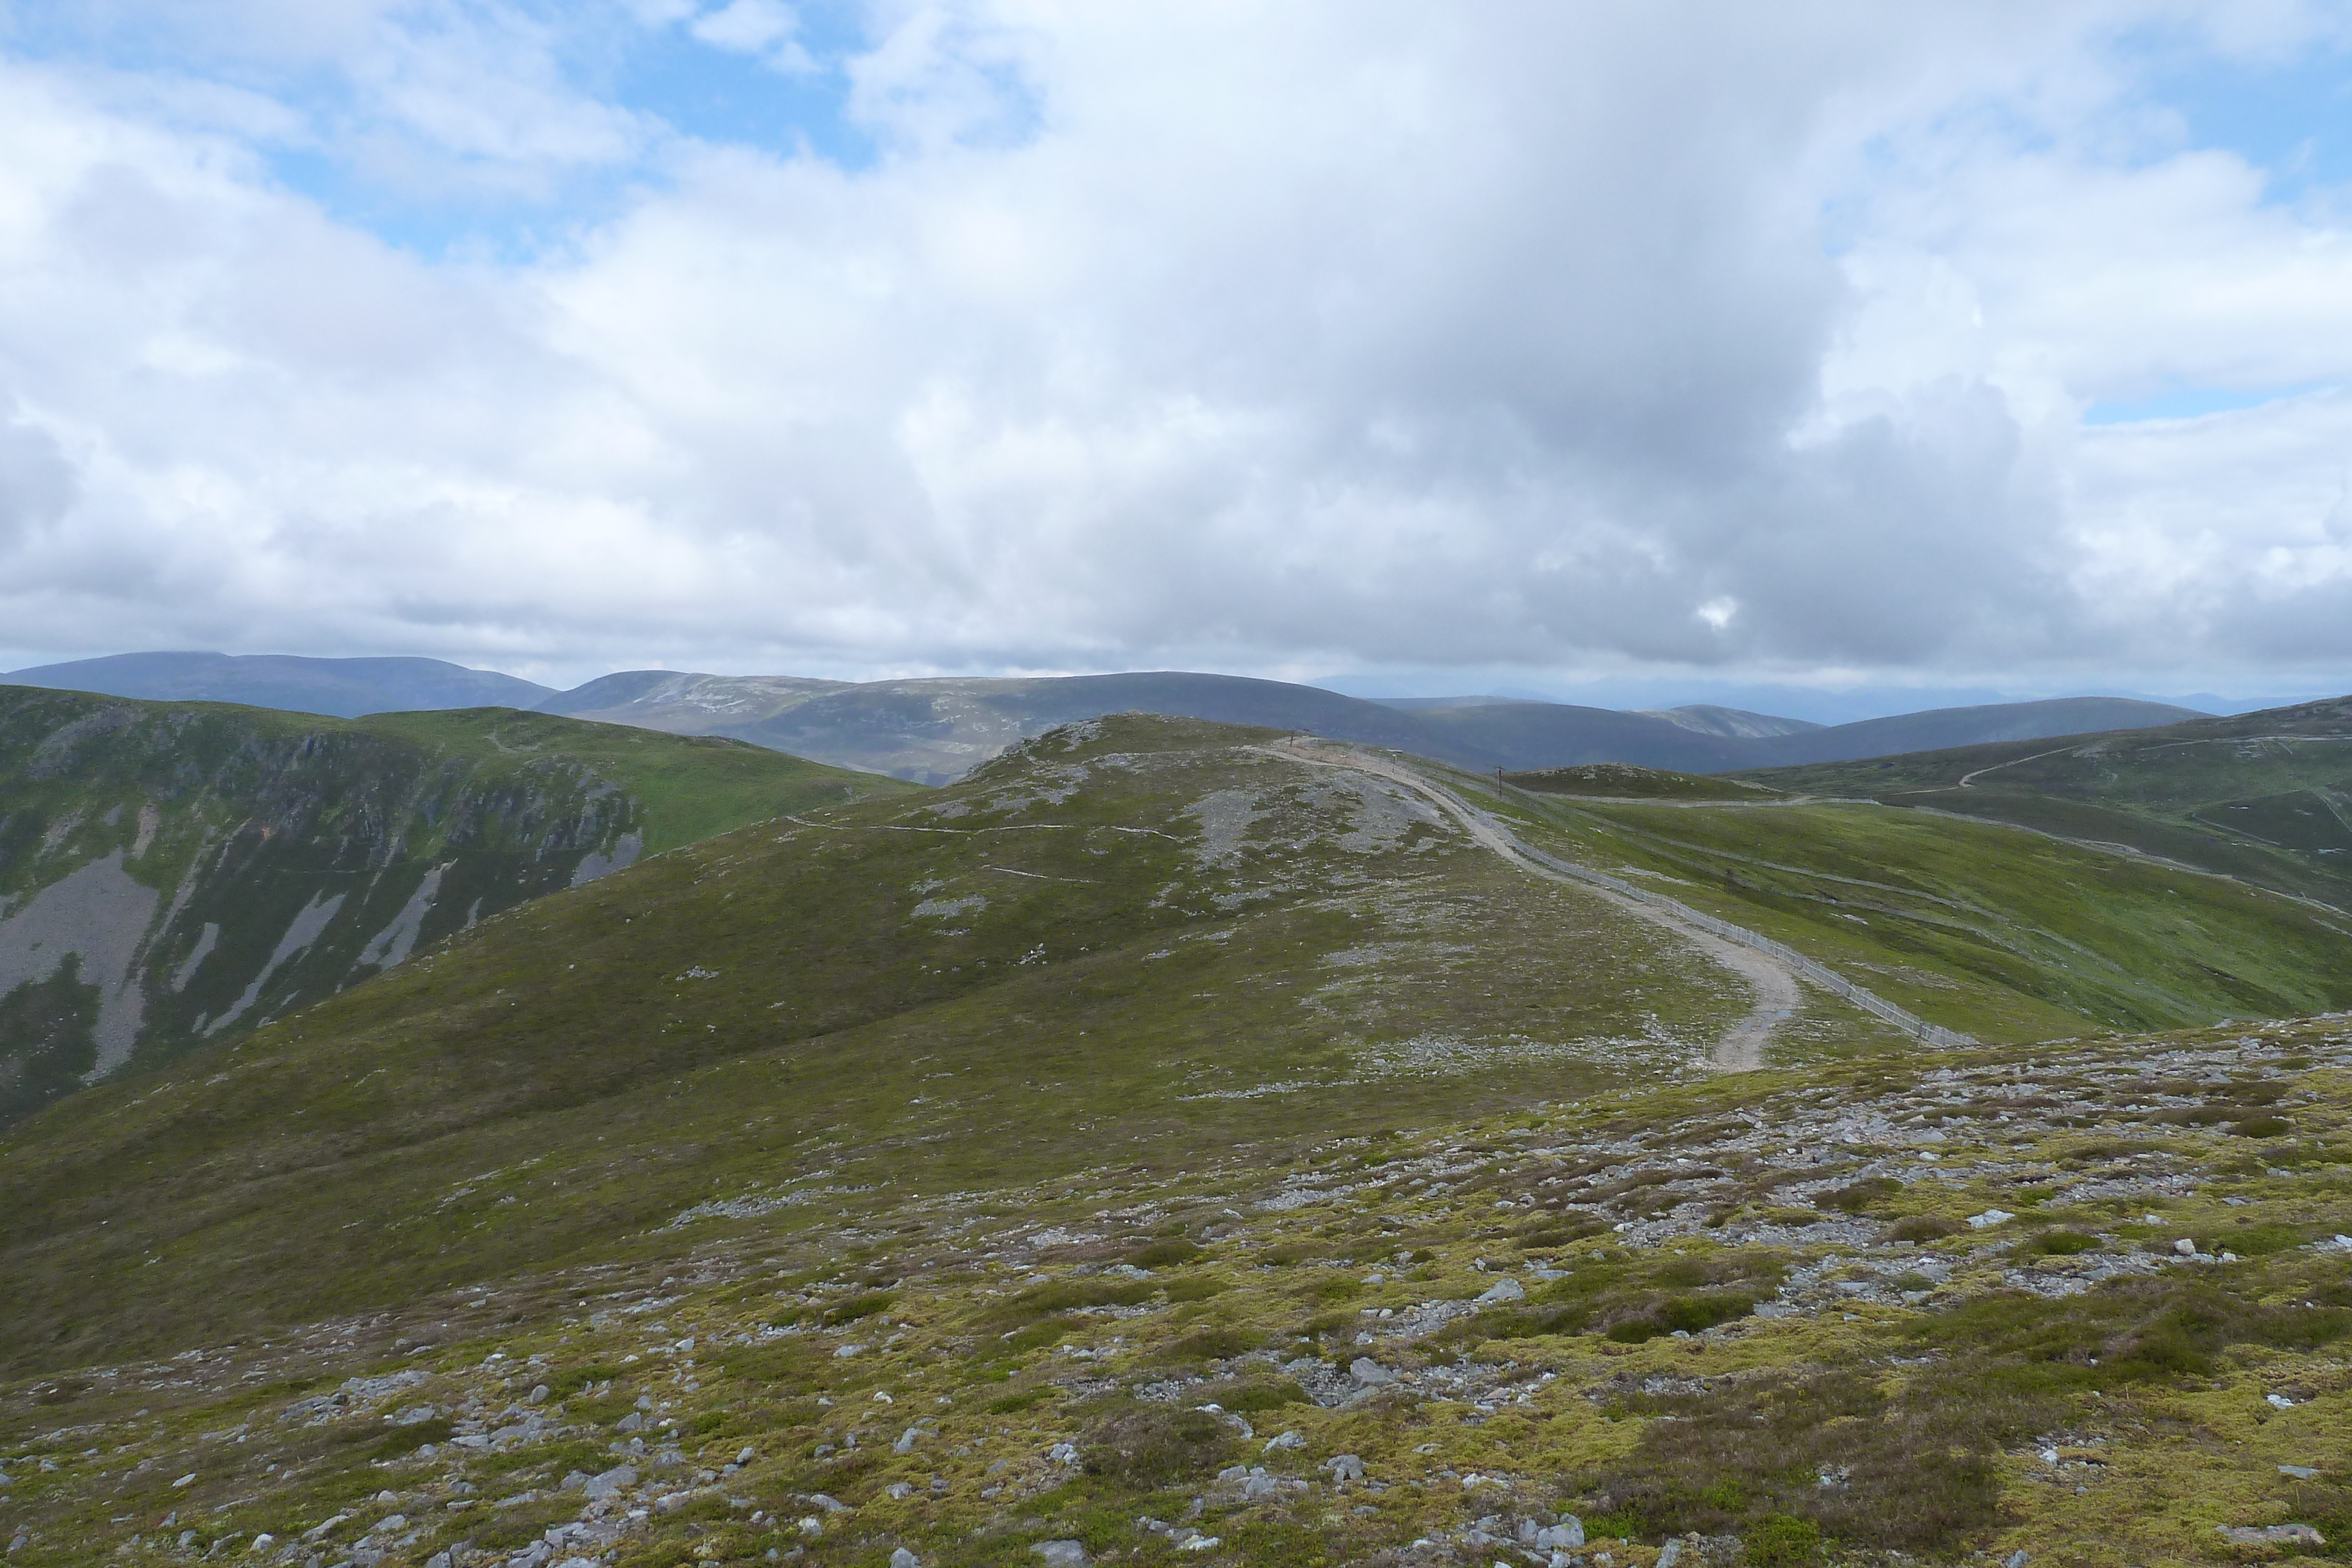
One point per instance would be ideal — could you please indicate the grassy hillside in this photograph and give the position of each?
(1158, 928)
(2263, 797)
(1619, 780)
(172, 872)
(1996, 933)
(1129, 1146)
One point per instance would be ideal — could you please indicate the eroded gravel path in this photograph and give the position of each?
(1774, 984)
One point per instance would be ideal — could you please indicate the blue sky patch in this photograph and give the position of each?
(2189, 402)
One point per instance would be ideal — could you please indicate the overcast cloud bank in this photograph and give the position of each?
(1607, 340)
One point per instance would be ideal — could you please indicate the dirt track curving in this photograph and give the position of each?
(1741, 1049)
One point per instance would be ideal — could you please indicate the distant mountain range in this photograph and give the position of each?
(339, 688)
(934, 730)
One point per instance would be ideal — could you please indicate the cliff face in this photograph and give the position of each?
(170, 874)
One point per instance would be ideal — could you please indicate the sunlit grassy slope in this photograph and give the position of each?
(2263, 797)
(1998, 933)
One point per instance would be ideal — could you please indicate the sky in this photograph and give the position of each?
(1842, 354)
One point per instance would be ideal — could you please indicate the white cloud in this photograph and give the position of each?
(1315, 334)
(765, 27)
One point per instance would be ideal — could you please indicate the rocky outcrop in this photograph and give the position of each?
(171, 875)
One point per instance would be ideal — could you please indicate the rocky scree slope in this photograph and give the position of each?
(2080, 1300)
(174, 874)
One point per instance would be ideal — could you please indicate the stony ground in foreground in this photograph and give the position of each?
(2086, 1299)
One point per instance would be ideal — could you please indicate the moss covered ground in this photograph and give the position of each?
(1932, 1307)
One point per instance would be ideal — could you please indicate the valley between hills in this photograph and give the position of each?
(1177, 1141)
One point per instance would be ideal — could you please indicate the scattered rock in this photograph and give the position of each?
(604, 1483)
(902, 1558)
(2271, 1534)
(1288, 1440)
(1062, 1553)
(2300, 1472)
(1370, 1373)
(1507, 1290)
(906, 1443)
(1345, 1468)
(1988, 1218)
(1565, 1536)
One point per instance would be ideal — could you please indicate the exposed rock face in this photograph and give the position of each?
(174, 874)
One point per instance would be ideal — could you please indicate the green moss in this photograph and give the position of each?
(1165, 1253)
(1148, 1449)
(2057, 1244)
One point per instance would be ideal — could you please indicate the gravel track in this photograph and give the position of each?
(1773, 983)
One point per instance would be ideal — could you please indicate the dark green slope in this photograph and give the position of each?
(2263, 797)
(171, 873)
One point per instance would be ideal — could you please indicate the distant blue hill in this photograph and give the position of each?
(933, 730)
(344, 688)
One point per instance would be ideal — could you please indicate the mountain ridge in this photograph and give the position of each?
(934, 729)
(170, 874)
(338, 688)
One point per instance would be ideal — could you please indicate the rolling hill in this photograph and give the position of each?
(1182, 1143)
(934, 730)
(2262, 797)
(342, 688)
(172, 873)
